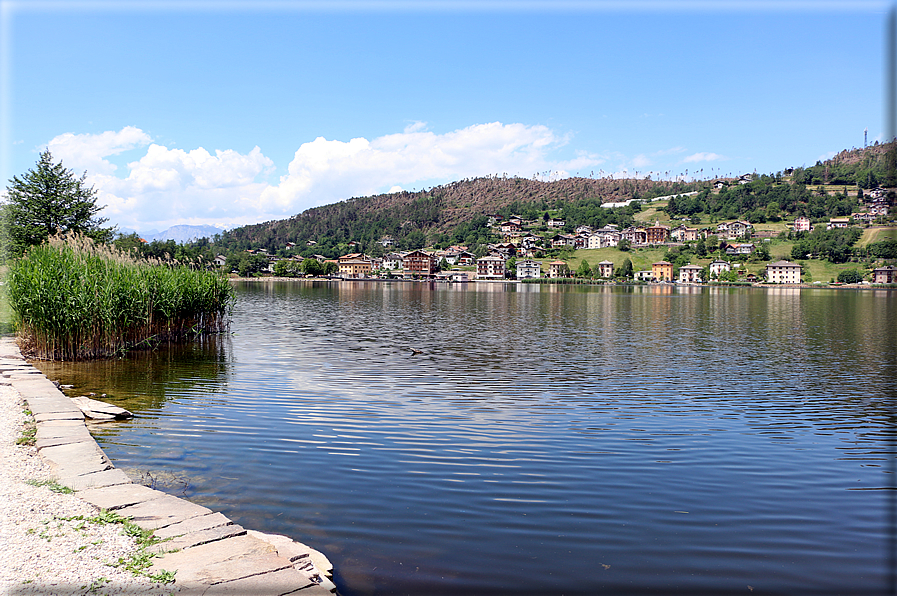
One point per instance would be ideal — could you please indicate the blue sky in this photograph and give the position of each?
(235, 113)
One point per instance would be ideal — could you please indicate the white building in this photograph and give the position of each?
(392, 261)
(783, 272)
(528, 269)
(606, 269)
(491, 268)
(690, 274)
(802, 224)
(718, 267)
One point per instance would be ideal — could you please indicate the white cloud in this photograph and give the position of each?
(87, 152)
(671, 151)
(166, 186)
(324, 171)
(641, 161)
(703, 157)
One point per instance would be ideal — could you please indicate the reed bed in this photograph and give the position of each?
(73, 299)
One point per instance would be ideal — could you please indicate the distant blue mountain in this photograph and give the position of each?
(184, 233)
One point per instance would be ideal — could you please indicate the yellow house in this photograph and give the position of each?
(557, 269)
(354, 268)
(662, 271)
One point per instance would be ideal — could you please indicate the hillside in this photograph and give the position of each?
(441, 210)
(456, 213)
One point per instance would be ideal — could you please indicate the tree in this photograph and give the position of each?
(761, 253)
(312, 266)
(701, 247)
(128, 242)
(47, 200)
(625, 269)
(850, 276)
(584, 269)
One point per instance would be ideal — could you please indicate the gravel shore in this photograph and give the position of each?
(48, 545)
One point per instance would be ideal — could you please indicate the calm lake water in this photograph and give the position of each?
(546, 439)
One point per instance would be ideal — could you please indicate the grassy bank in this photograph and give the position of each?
(72, 299)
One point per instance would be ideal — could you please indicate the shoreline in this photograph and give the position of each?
(57, 540)
(807, 286)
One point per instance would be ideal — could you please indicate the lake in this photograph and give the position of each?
(526, 439)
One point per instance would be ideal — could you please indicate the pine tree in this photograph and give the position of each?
(48, 200)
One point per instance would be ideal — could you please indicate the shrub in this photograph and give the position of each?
(850, 276)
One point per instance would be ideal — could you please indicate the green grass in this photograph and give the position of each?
(653, 213)
(641, 258)
(73, 300)
(825, 272)
(876, 234)
(139, 561)
(53, 485)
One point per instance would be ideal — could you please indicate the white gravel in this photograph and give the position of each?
(42, 549)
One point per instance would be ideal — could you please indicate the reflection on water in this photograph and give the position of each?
(505, 438)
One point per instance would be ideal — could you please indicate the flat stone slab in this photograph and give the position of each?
(120, 496)
(57, 441)
(60, 426)
(276, 583)
(190, 561)
(295, 551)
(100, 479)
(51, 405)
(23, 374)
(67, 415)
(36, 386)
(15, 369)
(48, 435)
(100, 410)
(162, 512)
(76, 459)
(194, 524)
(239, 567)
(199, 538)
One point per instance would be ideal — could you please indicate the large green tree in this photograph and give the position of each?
(47, 200)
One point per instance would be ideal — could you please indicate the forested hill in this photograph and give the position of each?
(413, 218)
(456, 213)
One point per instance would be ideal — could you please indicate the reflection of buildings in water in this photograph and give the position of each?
(656, 289)
(782, 325)
(783, 291)
(689, 289)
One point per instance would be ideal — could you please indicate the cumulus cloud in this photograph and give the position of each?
(167, 186)
(88, 152)
(323, 171)
(696, 157)
(172, 186)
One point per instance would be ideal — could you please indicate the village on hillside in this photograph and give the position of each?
(525, 251)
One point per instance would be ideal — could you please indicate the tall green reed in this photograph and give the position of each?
(73, 299)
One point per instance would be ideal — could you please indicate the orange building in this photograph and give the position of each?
(662, 271)
(418, 262)
(657, 234)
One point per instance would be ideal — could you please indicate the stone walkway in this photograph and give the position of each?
(212, 555)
